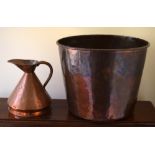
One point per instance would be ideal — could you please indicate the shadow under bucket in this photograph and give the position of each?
(102, 74)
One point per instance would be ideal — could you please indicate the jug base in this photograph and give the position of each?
(29, 113)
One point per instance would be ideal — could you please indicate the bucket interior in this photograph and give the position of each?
(108, 42)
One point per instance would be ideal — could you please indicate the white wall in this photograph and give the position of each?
(40, 44)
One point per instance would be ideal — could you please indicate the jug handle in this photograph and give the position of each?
(51, 71)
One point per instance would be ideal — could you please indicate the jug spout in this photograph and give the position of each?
(25, 65)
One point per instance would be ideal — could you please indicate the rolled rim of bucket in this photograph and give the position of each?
(101, 42)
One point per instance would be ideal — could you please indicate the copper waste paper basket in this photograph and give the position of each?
(102, 74)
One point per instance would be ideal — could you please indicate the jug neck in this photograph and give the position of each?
(27, 69)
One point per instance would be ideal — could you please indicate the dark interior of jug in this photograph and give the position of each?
(23, 62)
(103, 42)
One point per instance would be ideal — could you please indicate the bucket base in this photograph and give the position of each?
(30, 113)
(102, 119)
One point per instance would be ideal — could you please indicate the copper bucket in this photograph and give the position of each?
(102, 74)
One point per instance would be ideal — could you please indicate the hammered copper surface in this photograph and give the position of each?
(29, 98)
(102, 74)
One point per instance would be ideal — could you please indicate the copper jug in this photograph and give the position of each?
(30, 97)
